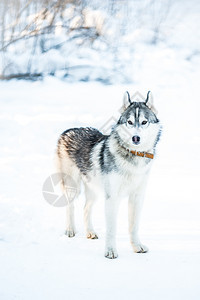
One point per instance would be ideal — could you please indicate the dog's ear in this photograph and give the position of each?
(149, 102)
(126, 101)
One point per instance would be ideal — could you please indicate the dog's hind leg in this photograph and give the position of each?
(70, 185)
(70, 228)
(70, 224)
(90, 199)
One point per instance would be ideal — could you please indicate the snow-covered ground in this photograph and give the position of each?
(37, 260)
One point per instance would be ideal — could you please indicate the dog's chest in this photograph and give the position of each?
(130, 177)
(134, 166)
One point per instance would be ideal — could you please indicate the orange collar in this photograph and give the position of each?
(142, 154)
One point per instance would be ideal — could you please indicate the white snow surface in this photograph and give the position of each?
(37, 260)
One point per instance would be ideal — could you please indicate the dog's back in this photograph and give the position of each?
(76, 144)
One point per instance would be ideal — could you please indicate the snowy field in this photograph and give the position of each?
(37, 260)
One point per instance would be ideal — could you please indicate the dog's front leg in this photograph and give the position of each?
(111, 209)
(135, 205)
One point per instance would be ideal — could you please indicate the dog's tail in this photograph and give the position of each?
(68, 174)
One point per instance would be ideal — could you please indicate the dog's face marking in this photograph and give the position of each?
(137, 113)
(138, 125)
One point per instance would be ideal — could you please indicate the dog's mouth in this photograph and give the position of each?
(136, 140)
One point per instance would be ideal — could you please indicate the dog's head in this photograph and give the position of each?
(138, 126)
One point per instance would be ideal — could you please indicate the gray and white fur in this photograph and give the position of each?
(104, 163)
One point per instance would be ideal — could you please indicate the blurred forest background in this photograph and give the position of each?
(83, 40)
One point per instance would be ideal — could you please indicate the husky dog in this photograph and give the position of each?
(118, 164)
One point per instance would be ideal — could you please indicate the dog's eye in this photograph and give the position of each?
(144, 122)
(130, 122)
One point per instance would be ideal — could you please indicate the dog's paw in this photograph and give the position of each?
(92, 236)
(111, 253)
(139, 248)
(70, 233)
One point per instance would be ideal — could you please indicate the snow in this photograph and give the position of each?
(145, 48)
(37, 260)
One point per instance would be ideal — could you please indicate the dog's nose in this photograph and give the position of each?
(136, 139)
